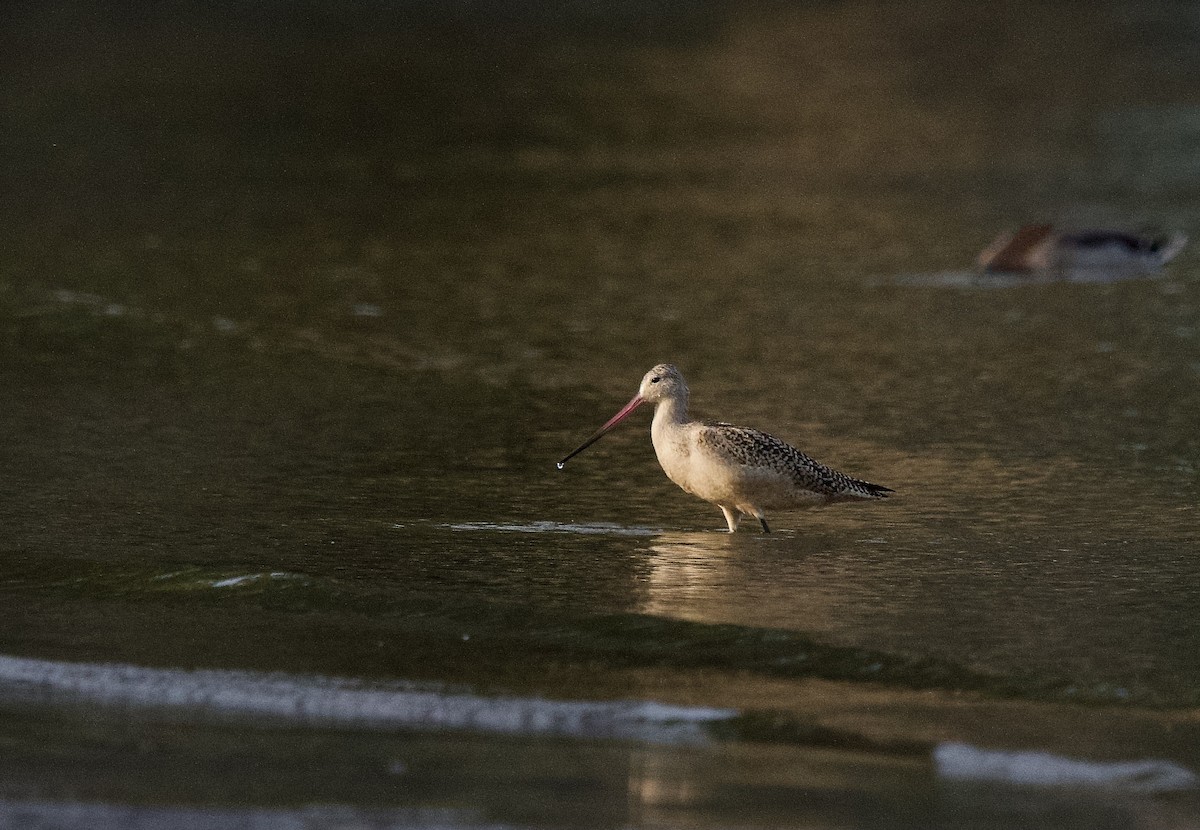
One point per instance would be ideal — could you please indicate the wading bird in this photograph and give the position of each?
(742, 471)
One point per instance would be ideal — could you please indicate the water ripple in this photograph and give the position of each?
(99, 816)
(963, 762)
(331, 701)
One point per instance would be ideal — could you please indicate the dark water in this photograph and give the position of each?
(300, 303)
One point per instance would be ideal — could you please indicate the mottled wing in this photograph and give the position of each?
(751, 448)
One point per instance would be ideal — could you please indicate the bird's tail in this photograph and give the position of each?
(858, 489)
(1168, 246)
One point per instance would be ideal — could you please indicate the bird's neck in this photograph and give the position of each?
(669, 412)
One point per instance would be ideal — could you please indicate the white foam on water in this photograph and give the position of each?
(53, 815)
(191, 579)
(68, 297)
(234, 581)
(339, 702)
(952, 279)
(1001, 280)
(244, 579)
(595, 529)
(963, 762)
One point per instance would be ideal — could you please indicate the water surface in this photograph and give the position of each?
(298, 309)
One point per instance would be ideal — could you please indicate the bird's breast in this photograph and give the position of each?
(674, 456)
(695, 469)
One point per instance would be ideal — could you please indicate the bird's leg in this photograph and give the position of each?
(762, 520)
(731, 518)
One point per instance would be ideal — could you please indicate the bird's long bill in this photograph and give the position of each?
(609, 424)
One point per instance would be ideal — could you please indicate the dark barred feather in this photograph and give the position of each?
(752, 448)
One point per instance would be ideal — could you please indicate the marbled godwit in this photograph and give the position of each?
(740, 470)
(1047, 250)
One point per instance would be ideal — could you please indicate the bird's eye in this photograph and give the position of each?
(655, 380)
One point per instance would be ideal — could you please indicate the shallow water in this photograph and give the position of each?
(297, 312)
